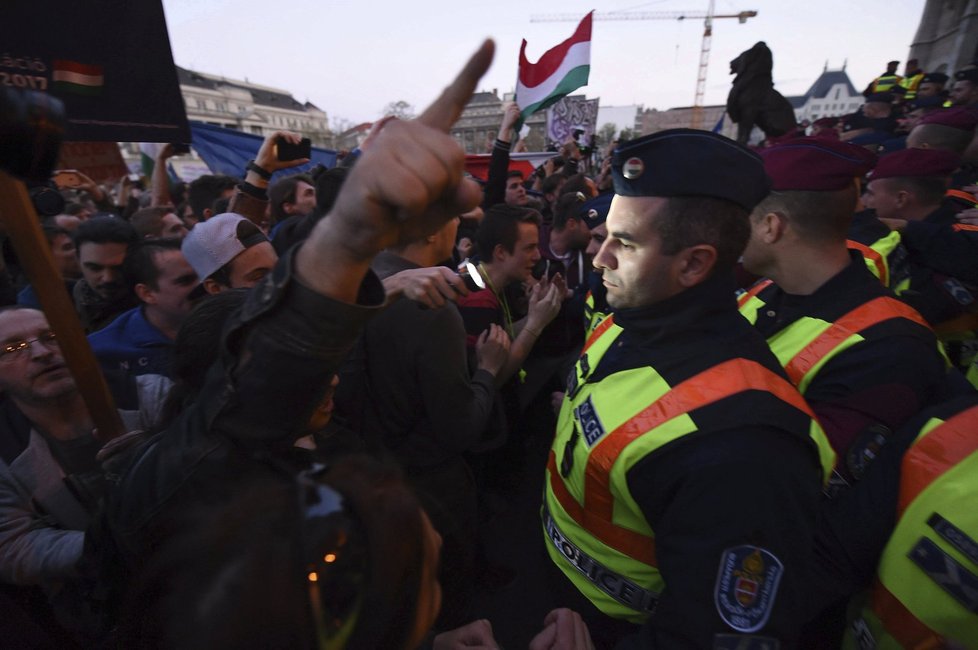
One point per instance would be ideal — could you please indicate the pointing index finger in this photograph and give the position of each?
(444, 111)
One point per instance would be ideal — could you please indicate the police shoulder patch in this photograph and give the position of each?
(746, 587)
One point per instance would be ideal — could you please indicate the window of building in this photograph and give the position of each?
(837, 93)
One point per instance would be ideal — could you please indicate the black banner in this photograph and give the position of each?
(109, 61)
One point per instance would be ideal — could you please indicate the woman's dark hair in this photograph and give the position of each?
(235, 575)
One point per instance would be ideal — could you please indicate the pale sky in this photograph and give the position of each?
(351, 58)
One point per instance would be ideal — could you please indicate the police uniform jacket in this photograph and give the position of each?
(907, 534)
(737, 488)
(864, 362)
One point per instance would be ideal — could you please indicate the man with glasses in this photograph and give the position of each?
(49, 491)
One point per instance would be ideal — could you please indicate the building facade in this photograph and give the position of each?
(832, 95)
(947, 36)
(478, 125)
(249, 107)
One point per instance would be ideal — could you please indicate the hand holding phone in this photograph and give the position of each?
(289, 151)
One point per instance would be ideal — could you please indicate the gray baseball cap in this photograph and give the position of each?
(213, 243)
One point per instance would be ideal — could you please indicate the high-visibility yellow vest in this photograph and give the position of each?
(910, 84)
(595, 531)
(885, 258)
(926, 589)
(807, 344)
(885, 82)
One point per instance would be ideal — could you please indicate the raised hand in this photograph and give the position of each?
(404, 187)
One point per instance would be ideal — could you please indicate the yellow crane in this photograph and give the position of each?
(708, 17)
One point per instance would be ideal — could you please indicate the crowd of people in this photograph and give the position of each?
(755, 369)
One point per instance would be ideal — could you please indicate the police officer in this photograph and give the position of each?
(685, 469)
(886, 82)
(864, 361)
(908, 533)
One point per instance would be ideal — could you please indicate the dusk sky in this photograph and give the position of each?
(351, 58)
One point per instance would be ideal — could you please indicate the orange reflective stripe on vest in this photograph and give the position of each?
(873, 256)
(901, 624)
(753, 291)
(717, 383)
(964, 227)
(872, 313)
(937, 452)
(598, 331)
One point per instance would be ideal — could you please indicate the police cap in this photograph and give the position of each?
(594, 212)
(689, 162)
(815, 164)
(916, 163)
(968, 74)
(934, 78)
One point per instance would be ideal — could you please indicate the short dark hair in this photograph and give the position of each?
(283, 191)
(929, 190)
(148, 222)
(515, 173)
(328, 185)
(567, 209)
(52, 230)
(500, 226)
(818, 217)
(551, 183)
(140, 267)
(576, 183)
(692, 220)
(105, 230)
(206, 189)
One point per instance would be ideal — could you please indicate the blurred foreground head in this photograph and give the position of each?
(336, 558)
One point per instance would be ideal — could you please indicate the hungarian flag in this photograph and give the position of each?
(559, 72)
(77, 77)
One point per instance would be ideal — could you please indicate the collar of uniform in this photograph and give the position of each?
(703, 308)
(846, 290)
(943, 215)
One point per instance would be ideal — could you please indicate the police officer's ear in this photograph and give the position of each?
(695, 264)
(769, 227)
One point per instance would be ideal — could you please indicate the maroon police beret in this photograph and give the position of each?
(964, 118)
(916, 162)
(815, 164)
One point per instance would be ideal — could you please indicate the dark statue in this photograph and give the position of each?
(753, 99)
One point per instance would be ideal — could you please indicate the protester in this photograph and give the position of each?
(102, 294)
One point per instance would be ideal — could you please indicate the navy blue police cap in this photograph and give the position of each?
(594, 212)
(689, 162)
(934, 78)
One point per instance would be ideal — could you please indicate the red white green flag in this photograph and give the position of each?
(81, 78)
(559, 72)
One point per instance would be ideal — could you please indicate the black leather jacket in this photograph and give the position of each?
(278, 356)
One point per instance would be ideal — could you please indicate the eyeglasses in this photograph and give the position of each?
(11, 352)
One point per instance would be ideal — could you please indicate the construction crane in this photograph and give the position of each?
(696, 120)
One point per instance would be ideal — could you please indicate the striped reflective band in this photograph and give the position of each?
(614, 584)
(598, 331)
(901, 624)
(873, 256)
(935, 453)
(753, 291)
(719, 382)
(863, 317)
